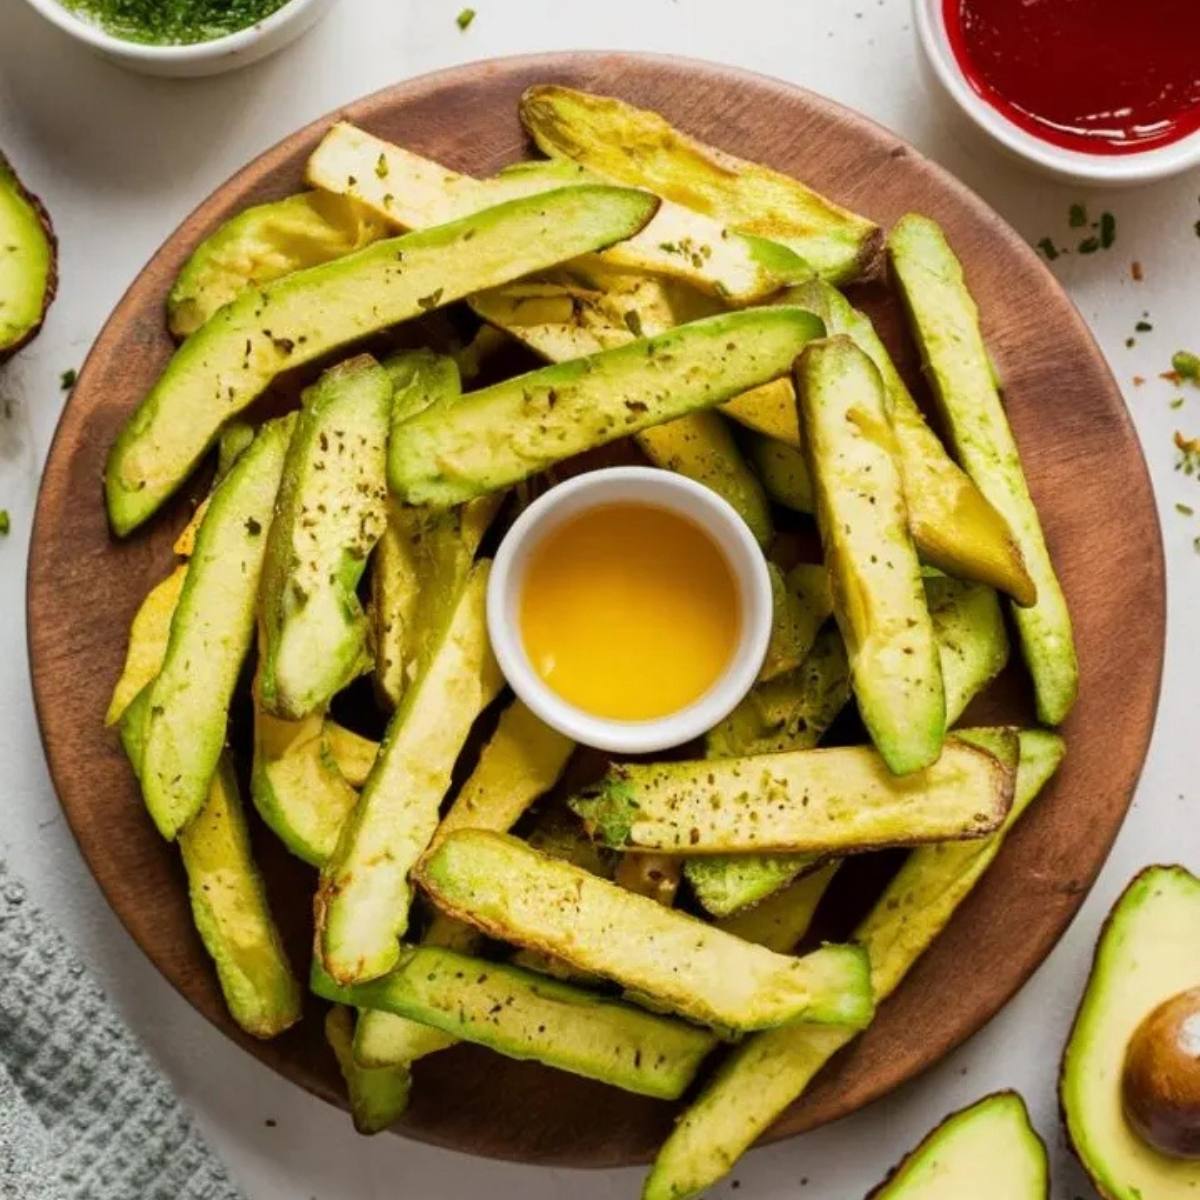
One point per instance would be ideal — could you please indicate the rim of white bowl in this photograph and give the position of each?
(664, 489)
(1138, 166)
(94, 35)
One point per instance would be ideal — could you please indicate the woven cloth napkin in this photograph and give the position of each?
(84, 1113)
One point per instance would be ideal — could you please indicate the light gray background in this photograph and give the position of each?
(121, 159)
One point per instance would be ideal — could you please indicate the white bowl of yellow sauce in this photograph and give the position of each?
(630, 609)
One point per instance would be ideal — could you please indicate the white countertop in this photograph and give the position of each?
(121, 159)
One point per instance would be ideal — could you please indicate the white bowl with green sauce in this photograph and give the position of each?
(183, 37)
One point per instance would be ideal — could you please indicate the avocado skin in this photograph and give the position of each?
(42, 229)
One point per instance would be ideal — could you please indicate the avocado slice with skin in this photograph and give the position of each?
(639, 147)
(28, 262)
(831, 801)
(362, 904)
(527, 1016)
(511, 891)
(263, 243)
(945, 323)
(1147, 953)
(502, 434)
(989, 1151)
(236, 354)
(878, 599)
(329, 514)
(211, 630)
(767, 1072)
(378, 1096)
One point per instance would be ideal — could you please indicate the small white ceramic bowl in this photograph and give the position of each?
(945, 75)
(234, 50)
(661, 489)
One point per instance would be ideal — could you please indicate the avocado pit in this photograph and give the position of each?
(1160, 1085)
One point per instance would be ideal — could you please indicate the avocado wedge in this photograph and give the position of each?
(989, 1151)
(28, 262)
(783, 471)
(362, 905)
(972, 643)
(413, 192)
(952, 524)
(765, 1073)
(1147, 953)
(236, 354)
(945, 323)
(211, 628)
(378, 1096)
(527, 1016)
(508, 889)
(149, 633)
(638, 147)
(329, 515)
(878, 599)
(831, 801)
(264, 243)
(568, 320)
(502, 434)
(783, 918)
(228, 900)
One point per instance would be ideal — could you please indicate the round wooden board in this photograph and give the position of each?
(1085, 470)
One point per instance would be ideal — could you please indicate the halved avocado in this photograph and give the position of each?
(28, 262)
(1149, 951)
(989, 1151)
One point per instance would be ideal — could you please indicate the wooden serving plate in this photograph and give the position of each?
(1084, 466)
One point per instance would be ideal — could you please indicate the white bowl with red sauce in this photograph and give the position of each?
(1095, 91)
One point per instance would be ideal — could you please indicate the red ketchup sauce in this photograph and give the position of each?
(1100, 76)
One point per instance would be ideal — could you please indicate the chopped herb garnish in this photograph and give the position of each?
(1089, 245)
(633, 322)
(1077, 216)
(1108, 229)
(1047, 247)
(5, 523)
(1177, 402)
(430, 301)
(1189, 453)
(1130, 343)
(464, 18)
(1186, 365)
(1143, 327)
(381, 166)
(1186, 509)
(66, 380)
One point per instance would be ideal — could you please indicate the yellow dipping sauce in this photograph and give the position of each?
(629, 611)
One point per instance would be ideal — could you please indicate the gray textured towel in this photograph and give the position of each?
(84, 1114)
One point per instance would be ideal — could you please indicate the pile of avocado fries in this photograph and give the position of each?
(687, 300)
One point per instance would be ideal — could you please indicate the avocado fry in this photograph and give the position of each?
(329, 515)
(945, 323)
(878, 599)
(527, 1016)
(504, 433)
(618, 141)
(362, 905)
(378, 1096)
(211, 629)
(508, 889)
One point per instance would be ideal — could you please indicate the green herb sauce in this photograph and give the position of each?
(172, 22)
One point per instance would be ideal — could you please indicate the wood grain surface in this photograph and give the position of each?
(1085, 470)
